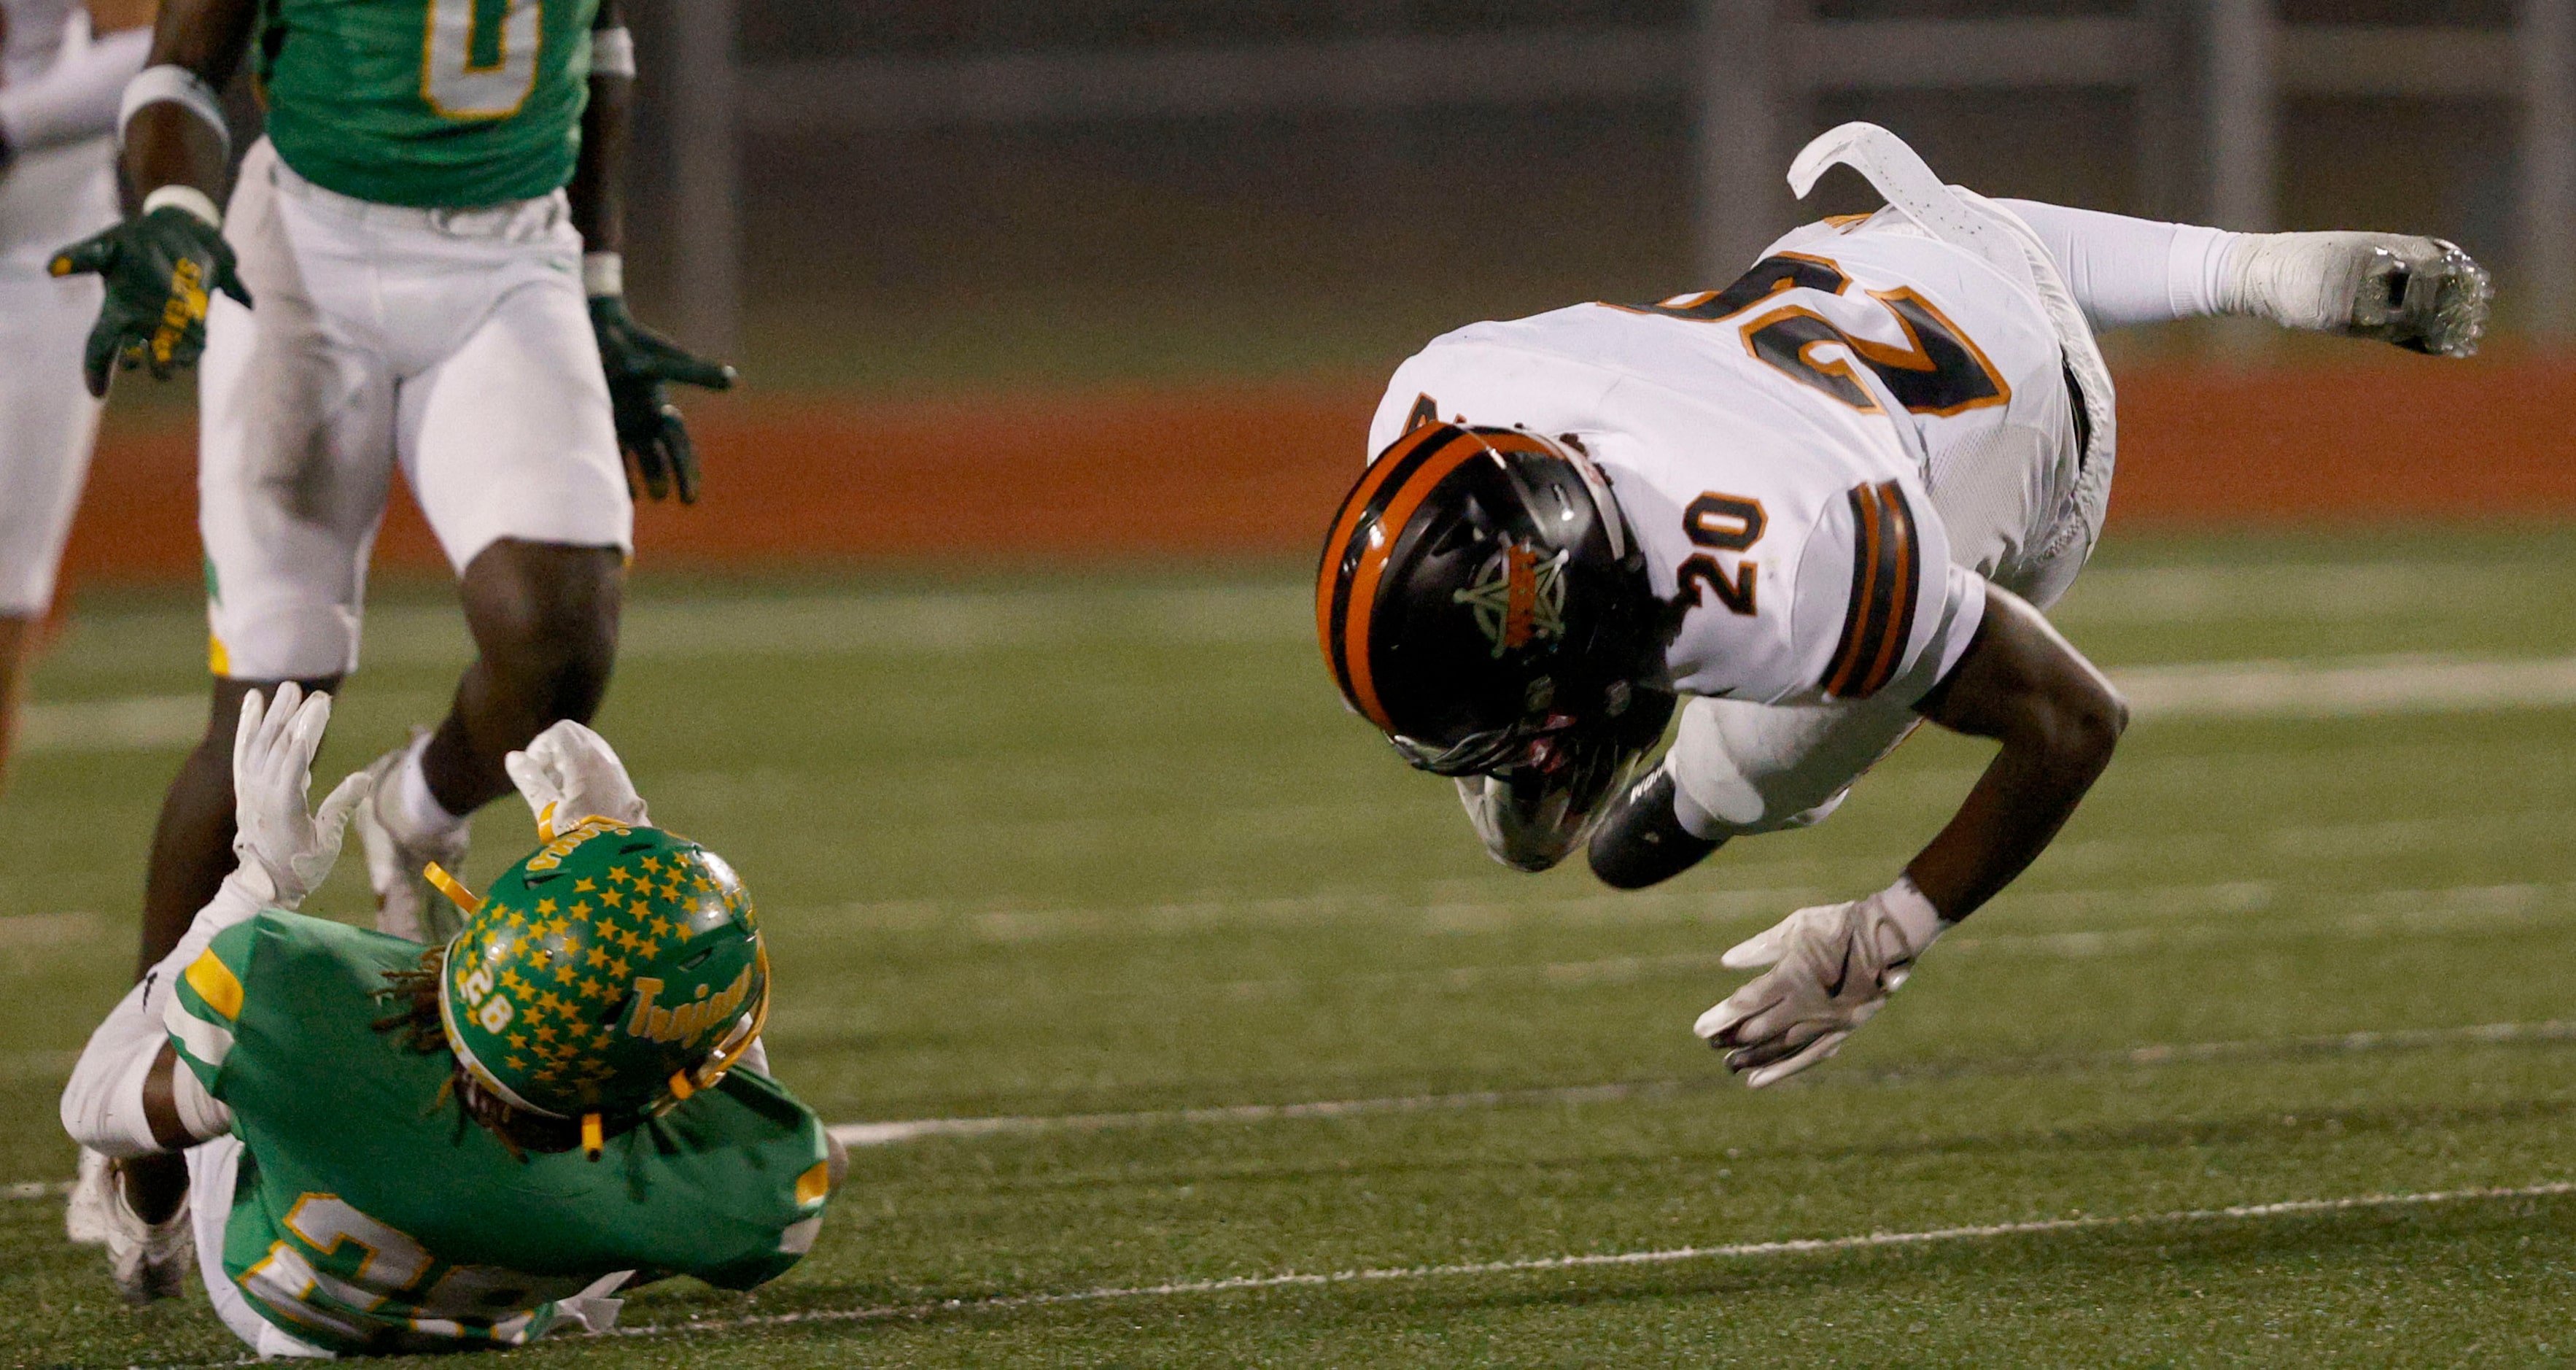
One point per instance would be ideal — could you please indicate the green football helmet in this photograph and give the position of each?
(614, 972)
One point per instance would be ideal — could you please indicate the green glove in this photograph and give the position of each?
(641, 365)
(158, 268)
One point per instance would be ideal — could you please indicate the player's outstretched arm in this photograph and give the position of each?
(1832, 968)
(641, 365)
(164, 265)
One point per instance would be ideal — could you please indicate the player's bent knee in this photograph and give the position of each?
(544, 615)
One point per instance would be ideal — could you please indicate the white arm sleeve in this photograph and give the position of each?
(102, 1107)
(77, 97)
(2127, 271)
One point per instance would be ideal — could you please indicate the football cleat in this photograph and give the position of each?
(2422, 294)
(1641, 841)
(407, 904)
(147, 1260)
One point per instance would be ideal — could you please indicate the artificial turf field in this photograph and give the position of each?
(1055, 848)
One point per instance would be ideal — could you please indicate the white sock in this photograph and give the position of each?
(2125, 271)
(410, 810)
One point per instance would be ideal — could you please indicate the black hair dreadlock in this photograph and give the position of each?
(417, 991)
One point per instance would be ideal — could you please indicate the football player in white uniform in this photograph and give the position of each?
(1813, 508)
(63, 66)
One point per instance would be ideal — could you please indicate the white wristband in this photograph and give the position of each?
(603, 273)
(612, 52)
(189, 198)
(1913, 914)
(167, 84)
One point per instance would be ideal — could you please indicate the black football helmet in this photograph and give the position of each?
(1484, 603)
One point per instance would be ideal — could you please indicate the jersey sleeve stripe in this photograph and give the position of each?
(206, 1043)
(1886, 582)
(216, 984)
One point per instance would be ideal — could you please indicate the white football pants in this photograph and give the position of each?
(455, 343)
(48, 422)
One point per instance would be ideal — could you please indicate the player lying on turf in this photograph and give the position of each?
(1821, 504)
(393, 1150)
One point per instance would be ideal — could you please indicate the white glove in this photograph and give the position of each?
(1831, 969)
(285, 853)
(2422, 294)
(570, 773)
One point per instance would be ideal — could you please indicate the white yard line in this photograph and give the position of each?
(2365, 687)
(1798, 1246)
(2347, 592)
(2350, 688)
(136, 723)
(2154, 1054)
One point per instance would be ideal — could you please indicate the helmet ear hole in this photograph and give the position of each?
(698, 960)
(617, 1010)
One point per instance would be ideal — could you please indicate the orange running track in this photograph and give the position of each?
(1226, 471)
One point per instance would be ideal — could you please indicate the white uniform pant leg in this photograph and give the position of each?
(212, 1170)
(296, 442)
(48, 424)
(510, 434)
(1747, 768)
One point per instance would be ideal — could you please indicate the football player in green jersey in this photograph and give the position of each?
(418, 267)
(399, 1150)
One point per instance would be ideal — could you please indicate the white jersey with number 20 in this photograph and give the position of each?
(1786, 450)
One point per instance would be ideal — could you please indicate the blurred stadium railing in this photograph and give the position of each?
(2207, 81)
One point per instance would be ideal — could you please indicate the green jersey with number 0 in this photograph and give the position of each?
(368, 1215)
(434, 103)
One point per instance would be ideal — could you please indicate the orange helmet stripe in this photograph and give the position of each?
(1329, 580)
(1416, 486)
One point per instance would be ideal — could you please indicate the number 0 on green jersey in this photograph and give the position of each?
(431, 103)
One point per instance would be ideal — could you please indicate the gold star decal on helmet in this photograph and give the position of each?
(582, 885)
(545, 906)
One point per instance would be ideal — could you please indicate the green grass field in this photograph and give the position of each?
(1111, 847)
